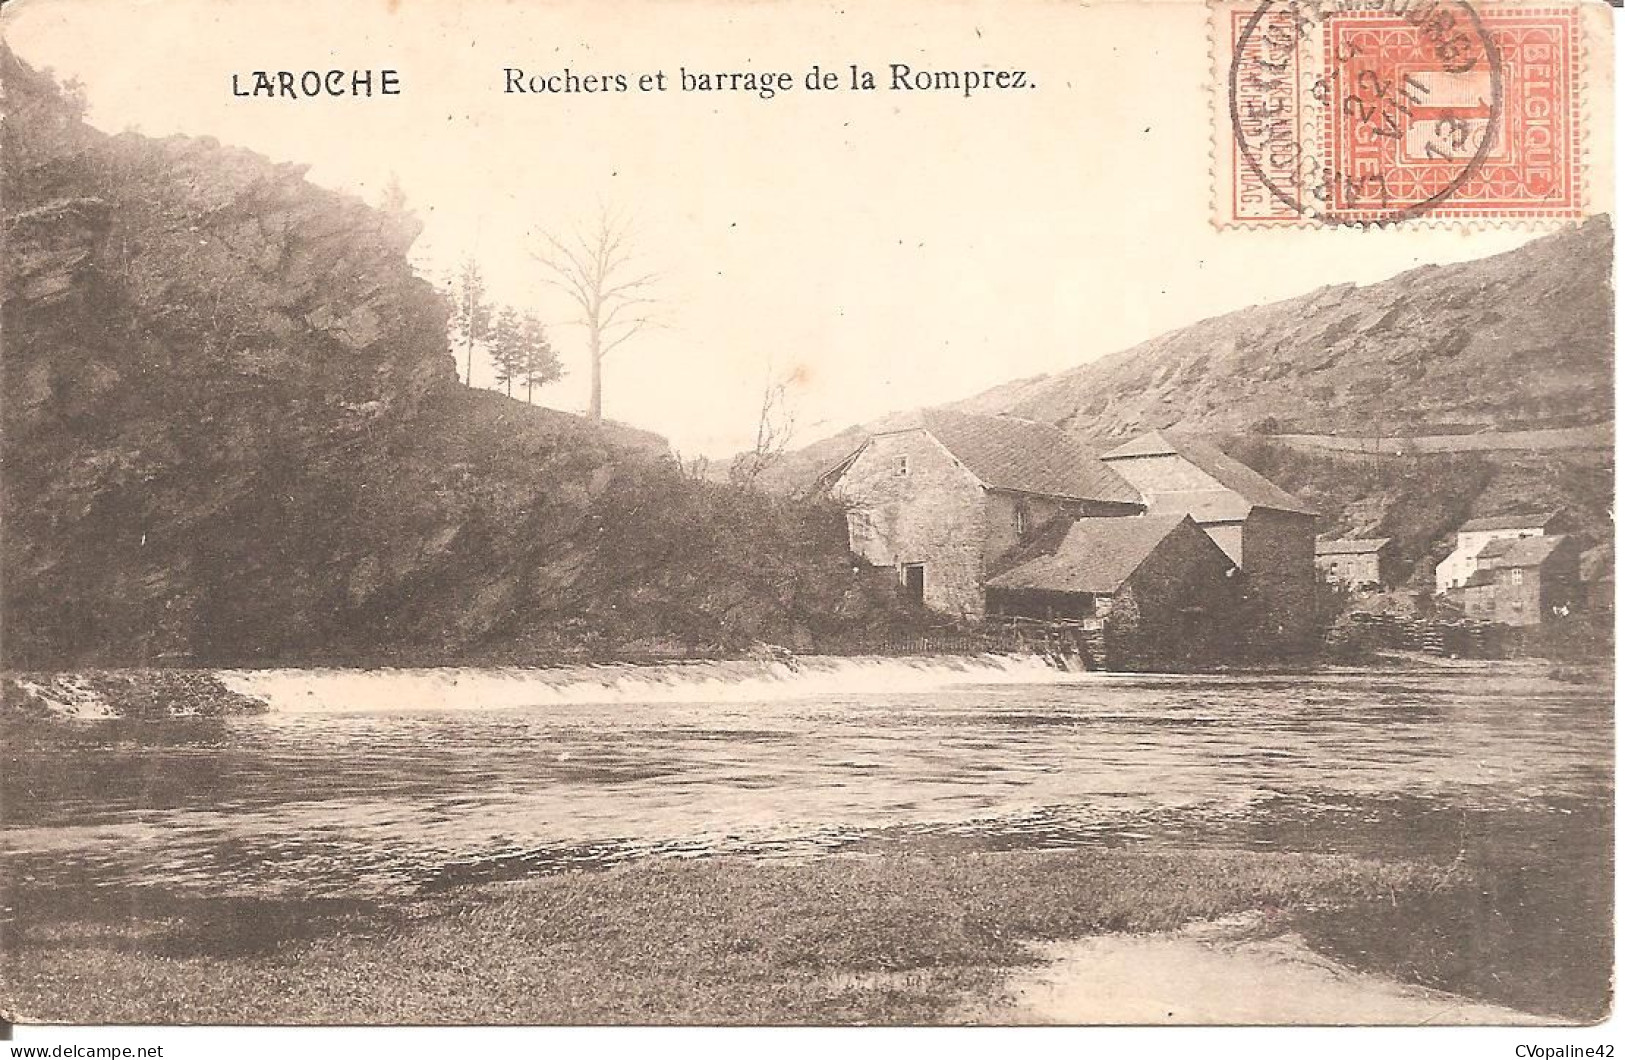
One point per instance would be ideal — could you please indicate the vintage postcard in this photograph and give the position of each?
(753, 513)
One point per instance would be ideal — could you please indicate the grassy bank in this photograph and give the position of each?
(896, 938)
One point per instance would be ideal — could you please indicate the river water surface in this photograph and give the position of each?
(393, 782)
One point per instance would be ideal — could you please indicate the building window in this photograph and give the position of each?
(1516, 575)
(902, 465)
(1021, 519)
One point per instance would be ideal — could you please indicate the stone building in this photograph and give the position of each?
(949, 500)
(1530, 579)
(1356, 562)
(1455, 569)
(1159, 587)
(942, 498)
(1266, 531)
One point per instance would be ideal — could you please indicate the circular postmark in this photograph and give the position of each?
(1363, 112)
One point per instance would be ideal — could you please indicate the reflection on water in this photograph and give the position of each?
(343, 790)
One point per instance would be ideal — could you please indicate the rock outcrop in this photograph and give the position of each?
(234, 433)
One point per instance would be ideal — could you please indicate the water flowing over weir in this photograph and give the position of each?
(712, 681)
(386, 782)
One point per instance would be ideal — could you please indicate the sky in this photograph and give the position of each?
(884, 249)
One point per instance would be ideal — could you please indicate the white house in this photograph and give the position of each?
(1454, 570)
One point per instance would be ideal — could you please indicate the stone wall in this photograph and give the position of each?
(1478, 601)
(1352, 569)
(1525, 596)
(1280, 553)
(934, 513)
(1178, 608)
(1229, 536)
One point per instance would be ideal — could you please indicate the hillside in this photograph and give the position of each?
(233, 433)
(1519, 340)
(1495, 348)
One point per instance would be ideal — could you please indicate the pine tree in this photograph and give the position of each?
(507, 348)
(471, 314)
(541, 363)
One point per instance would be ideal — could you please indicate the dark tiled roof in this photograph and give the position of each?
(1042, 541)
(829, 475)
(1494, 549)
(1533, 520)
(1151, 443)
(1350, 546)
(1253, 488)
(1478, 578)
(1025, 456)
(1095, 556)
(1522, 552)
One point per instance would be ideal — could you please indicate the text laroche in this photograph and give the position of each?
(313, 84)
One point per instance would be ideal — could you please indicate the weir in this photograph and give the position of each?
(712, 681)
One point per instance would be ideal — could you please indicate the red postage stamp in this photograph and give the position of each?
(1360, 112)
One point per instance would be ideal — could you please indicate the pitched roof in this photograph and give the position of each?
(1495, 549)
(1151, 443)
(834, 471)
(1478, 578)
(1095, 556)
(1254, 489)
(1520, 552)
(1026, 456)
(1530, 521)
(1349, 546)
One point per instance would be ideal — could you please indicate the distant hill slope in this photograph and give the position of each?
(233, 433)
(1521, 341)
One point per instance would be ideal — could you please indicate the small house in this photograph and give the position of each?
(1356, 562)
(1267, 532)
(1159, 587)
(1536, 578)
(943, 496)
(1471, 537)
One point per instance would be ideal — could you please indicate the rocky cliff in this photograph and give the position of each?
(233, 433)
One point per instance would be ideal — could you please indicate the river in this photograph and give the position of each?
(380, 783)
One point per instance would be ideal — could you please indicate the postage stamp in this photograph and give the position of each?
(1369, 112)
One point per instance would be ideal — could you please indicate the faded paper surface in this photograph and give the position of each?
(923, 523)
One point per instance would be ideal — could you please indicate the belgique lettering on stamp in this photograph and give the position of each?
(1371, 112)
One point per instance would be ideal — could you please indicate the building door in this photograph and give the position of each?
(914, 582)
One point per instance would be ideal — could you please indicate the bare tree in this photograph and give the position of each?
(598, 271)
(775, 427)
